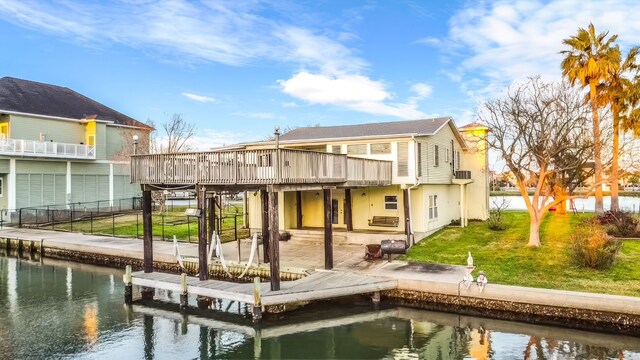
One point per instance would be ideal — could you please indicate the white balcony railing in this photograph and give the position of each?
(21, 147)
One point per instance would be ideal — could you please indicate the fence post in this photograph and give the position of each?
(53, 220)
(235, 235)
(162, 226)
(71, 219)
(98, 207)
(119, 205)
(137, 224)
(36, 217)
(188, 230)
(91, 220)
(20, 217)
(113, 224)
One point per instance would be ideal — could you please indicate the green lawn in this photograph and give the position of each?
(506, 259)
(174, 224)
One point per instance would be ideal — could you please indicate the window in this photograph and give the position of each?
(446, 155)
(264, 160)
(436, 156)
(336, 149)
(390, 202)
(458, 160)
(357, 149)
(433, 206)
(1, 187)
(381, 148)
(403, 159)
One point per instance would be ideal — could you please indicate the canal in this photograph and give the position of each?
(54, 309)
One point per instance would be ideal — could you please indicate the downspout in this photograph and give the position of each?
(416, 183)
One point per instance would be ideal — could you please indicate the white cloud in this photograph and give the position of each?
(198, 98)
(500, 42)
(290, 104)
(356, 92)
(429, 40)
(421, 90)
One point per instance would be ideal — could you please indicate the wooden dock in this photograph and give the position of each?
(320, 285)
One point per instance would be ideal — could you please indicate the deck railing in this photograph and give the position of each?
(270, 166)
(23, 147)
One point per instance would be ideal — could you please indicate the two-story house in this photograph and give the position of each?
(439, 176)
(59, 147)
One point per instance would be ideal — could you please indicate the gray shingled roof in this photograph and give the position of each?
(413, 127)
(43, 99)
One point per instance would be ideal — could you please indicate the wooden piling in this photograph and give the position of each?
(147, 231)
(128, 287)
(328, 231)
(202, 234)
(274, 243)
(184, 296)
(407, 215)
(257, 300)
(264, 200)
(348, 217)
(299, 210)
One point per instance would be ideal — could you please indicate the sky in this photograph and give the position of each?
(236, 69)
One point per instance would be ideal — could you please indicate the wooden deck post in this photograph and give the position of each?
(328, 231)
(264, 199)
(407, 215)
(203, 262)
(348, 218)
(299, 210)
(147, 231)
(211, 215)
(274, 239)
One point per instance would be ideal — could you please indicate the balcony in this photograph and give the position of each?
(255, 167)
(47, 149)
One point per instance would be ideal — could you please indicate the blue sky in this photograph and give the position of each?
(238, 68)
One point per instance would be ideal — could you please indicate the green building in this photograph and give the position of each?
(60, 147)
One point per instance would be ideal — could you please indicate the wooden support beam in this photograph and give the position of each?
(211, 216)
(274, 237)
(147, 231)
(348, 217)
(407, 215)
(328, 231)
(299, 210)
(264, 199)
(203, 262)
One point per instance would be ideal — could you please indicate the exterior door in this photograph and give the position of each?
(337, 208)
(334, 211)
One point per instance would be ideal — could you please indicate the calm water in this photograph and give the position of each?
(73, 311)
(629, 203)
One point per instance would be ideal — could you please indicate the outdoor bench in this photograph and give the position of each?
(388, 221)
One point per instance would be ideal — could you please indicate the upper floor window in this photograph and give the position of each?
(390, 202)
(436, 156)
(381, 148)
(458, 160)
(446, 155)
(403, 159)
(357, 149)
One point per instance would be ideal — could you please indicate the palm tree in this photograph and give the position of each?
(619, 93)
(590, 60)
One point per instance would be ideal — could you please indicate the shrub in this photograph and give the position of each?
(593, 247)
(621, 223)
(495, 221)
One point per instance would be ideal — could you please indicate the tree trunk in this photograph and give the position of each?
(614, 161)
(596, 148)
(534, 232)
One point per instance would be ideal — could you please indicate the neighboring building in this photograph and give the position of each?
(59, 147)
(444, 169)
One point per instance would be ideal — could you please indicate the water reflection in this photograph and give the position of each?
(41, 322)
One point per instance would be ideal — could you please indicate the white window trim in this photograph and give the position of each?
(433, 207)
(1, 187)
(391, 202)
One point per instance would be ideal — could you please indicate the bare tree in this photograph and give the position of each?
(542, 131)
(175, 136)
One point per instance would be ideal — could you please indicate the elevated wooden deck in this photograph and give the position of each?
(258, 168)
(320, 285)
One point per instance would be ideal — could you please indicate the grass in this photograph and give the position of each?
(506, 258)
(130, 225)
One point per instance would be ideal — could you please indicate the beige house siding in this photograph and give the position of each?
(441, 174)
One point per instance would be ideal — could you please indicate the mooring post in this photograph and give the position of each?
(20, 246)
(184, 296)
(128, 287)
(257, 300)
(147, 232)
(41, 248)
(264, 201)
(203, 261)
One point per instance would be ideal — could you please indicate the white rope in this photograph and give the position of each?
(212, 246)
(254, 244)
(221, 254)
(176, 252)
